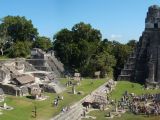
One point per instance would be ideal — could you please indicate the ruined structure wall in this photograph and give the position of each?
(46, 62)
(147, 65)
(8, 89)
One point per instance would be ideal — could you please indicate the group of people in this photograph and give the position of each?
(56, 102)
(68, 83)
(148, 104)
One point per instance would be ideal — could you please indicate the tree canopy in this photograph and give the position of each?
(76, 47)
(19, 28)
(16, 35)
(82, 49)
(20, 49)
(43, 43)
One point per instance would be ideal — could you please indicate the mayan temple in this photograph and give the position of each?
(143, 65)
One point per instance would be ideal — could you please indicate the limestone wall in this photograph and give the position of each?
(8, 89)
(46, 62)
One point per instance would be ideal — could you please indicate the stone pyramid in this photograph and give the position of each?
(143, 64)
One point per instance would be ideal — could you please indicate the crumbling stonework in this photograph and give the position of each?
(46, 62)
(17, 76)
(146, 58)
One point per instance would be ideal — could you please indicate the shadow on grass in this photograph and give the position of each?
(30, 97)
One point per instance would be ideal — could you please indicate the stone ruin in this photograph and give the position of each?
(17, 76)
(77, 77)
(143, 65)
(46, 62)
(97, 74)
(2, 96)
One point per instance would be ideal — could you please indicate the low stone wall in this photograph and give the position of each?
(52, 88)
(8, 89)
(48, 88)
(13, 90)
(154, 85)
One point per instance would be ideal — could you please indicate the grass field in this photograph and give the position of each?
(45, 110)
(136, 88)
(3, 57)
(121, 87)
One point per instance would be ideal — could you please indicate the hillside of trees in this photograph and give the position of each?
(18, 36)
(80, 49)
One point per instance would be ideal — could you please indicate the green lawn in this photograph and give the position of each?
(121, 87)
(45, 110)
(127, 116)
(3, 57)
(136, 88)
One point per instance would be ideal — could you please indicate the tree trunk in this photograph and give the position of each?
(2, 51)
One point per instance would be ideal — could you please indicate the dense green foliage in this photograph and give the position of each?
(19, 29)
(43, 43)
(17, 33)
(79, 50)
(82, 49)
(18, 36)
(76, 47)
(20, 49)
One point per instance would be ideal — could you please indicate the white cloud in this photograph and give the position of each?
(115, 36)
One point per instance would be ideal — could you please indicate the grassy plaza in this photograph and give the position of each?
(24, 107)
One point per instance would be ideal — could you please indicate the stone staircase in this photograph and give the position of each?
(127, 72)
(53, 67)
(59, 65)
(29, 67)
(46, 62)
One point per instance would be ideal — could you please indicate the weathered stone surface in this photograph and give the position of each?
(127, 73)
(46, 61)
(146, 58)
(153, 17)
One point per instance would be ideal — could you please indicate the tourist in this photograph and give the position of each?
(67, 108)
(55, 102)
(84, 113)
(58, 97)
(61, 97)
(63, 109)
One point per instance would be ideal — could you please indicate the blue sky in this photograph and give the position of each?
(119, 20)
